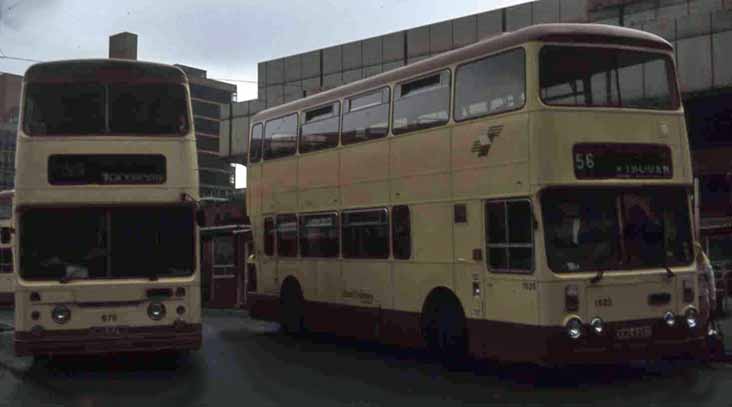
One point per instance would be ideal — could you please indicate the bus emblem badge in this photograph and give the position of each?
(483, 144)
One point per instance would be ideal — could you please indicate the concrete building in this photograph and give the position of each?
(216, 176)
(9, 111)
(209, 97)
(700, 30)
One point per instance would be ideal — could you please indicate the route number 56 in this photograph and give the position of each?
(582, 161)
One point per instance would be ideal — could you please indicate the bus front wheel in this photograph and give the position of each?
(291, 309)
(444, 329)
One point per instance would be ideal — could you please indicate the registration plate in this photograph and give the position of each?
(109, 331)
(636, 332)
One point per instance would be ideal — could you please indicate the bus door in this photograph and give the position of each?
(509, 240)
(469, 257)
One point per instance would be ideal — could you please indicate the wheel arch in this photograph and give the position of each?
(290, 283)
(441, 294)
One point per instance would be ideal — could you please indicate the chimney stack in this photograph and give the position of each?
(123, 46)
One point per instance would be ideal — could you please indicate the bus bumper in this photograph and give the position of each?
(181, 337)
(552, 345)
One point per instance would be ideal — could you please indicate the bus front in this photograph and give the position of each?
(613, 180)
(105, 208)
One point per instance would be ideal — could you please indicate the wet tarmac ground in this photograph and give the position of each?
(247, 363)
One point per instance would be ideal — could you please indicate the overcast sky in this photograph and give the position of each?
(225, 37)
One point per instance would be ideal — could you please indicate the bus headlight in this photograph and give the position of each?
(574, 328)
(156, 311)
(598, 327)
(670, 319)
(61, 314)
(692, 318)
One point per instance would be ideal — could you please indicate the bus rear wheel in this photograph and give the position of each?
(444, 330)
(291, 309)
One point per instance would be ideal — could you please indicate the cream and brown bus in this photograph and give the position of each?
(106, 196)
(7, 278)
(524, 198)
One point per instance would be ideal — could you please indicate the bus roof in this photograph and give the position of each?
(570, 33)
(104, 70)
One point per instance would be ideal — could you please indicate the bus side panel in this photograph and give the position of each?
(420, 166)
(431, 266)
(468, 238)
(491, 157)
(318, 180)
(267, 266)
(511, 299)
(364, 174)
(366, 289)
(254, 191)
(287, 267)
(279, 193)
(328, 286)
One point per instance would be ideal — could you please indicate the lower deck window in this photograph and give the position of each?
(365, 234)
(319, 235)
(287, 235)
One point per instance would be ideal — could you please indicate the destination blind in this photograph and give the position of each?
(626, 161)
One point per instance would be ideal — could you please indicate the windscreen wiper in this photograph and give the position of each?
(598, 276)
(669, 273)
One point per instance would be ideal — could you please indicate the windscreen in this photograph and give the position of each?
(105, 108)
(588, 230)
(606, 77)
(106, 243)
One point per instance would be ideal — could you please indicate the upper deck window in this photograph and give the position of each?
(366, 117)
(320, 128)
(90, 108)
(422, 103)
(607, 77)
(491, 85)
(280, 137)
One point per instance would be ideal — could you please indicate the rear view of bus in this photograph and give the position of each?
(106, 193)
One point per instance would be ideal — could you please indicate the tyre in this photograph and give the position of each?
(444, 330)
(291, 310)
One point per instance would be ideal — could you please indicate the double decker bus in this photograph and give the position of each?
(106, 192)
(7, 279)
(524, 198)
